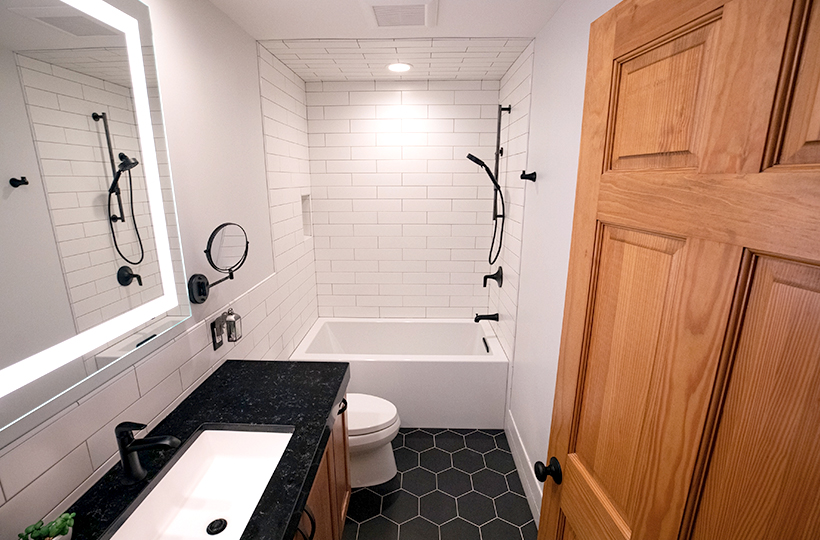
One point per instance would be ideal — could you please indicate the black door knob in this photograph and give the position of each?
(543, 471)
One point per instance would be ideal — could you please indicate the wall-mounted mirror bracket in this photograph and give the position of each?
(199, 287)
(226, 251)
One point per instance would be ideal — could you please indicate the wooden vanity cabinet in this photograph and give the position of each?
(330, 495)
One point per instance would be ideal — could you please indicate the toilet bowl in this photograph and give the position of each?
(372, 422)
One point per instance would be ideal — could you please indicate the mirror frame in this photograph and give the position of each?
(209, 249)
(32, 368)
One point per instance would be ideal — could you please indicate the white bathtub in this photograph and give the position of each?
(437, 372)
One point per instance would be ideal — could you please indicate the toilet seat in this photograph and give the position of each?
(368, 414)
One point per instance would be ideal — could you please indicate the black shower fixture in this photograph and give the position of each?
(497, 194)
(126, 164)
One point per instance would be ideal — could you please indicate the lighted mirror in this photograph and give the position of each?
(82, 123)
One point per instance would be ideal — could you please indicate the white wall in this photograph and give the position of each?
(209, 77)
(402, 220)
(555, 134)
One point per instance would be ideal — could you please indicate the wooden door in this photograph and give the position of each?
(340, 459)
(688, 395)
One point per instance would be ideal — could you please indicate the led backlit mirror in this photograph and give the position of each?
(74, 325)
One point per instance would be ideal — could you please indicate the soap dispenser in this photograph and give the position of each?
(233, 324)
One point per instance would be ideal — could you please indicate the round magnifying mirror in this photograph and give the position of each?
(227, 248)
(226, 252)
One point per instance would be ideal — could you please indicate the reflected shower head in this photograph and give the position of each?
(476, 160)
(126, 163)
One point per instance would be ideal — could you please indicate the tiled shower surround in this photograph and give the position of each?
(401, 217)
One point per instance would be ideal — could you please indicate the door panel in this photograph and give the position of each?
(801, 144)
(660, 308)
(767, 441)
(635, 284)
(661, 99)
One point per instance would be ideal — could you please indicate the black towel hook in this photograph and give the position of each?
(15, 183)
(528, 176)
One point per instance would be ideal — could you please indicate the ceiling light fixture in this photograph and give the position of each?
(399, 67)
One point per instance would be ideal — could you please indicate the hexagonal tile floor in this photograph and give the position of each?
(453, 484)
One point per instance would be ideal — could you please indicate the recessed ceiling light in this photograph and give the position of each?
(399, 67)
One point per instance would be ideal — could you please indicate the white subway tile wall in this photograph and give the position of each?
(516, 88)
(76, 170)
(401, 219)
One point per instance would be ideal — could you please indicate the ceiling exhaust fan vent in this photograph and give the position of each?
(408, 15)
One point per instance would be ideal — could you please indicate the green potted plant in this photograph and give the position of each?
(59, 528)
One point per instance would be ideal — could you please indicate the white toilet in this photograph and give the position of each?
(372, 422)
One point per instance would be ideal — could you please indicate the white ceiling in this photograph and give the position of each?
(431, 58)
(317, 19)
(340, 40)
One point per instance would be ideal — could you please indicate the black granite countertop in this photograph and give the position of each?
(299, 394)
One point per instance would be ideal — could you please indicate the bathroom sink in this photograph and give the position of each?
(219, 473)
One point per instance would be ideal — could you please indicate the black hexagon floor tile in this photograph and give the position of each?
(437, 507)
(406, 459)
(388, 487)
(449, 441)
(400, 506)
(489, 483)
(364, 505)
(476, 508)
(500, 530)
(480, 442)
(397, 441)
(501, 442)
(418, 481)
(529, 531)
(418, 440)
(468, 461)
(351, 530)
(514, 482)
(418, 529)
(454, 482)
(500, 461)
(435, 460)
(379, 527)
(513, 508)
(458, 529)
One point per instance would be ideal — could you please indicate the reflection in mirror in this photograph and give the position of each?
(226, 252)
(59, 65)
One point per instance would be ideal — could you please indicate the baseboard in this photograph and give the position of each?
(532, 487)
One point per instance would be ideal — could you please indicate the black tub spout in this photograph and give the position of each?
(493, 317)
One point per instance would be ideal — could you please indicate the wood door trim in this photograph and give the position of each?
(584, 231)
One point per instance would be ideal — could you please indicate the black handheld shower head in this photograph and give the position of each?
(476, 161)
(126, 163)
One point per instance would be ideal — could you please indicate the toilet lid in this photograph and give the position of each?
(367, 414)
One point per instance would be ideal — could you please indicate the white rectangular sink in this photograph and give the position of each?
(221, 475)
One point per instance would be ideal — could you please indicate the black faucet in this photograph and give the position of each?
(493, 317)
(498, 277)
(129, 446)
